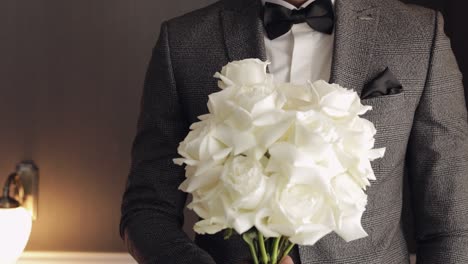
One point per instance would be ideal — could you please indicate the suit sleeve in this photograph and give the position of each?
(152, 206)
(438, 160)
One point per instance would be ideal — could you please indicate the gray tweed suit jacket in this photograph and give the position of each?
(424, 129)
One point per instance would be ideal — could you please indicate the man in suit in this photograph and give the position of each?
(394, 55)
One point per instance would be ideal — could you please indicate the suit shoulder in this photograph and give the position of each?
(401, 10)
(193, 33)
(408, 7)
(196, 17)
(407, 21)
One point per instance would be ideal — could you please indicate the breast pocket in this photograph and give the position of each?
(385, 103)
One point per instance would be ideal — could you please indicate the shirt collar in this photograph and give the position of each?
(290, 6)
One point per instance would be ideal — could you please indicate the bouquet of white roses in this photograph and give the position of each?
(278, 163)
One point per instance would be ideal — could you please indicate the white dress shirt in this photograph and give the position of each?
(300, 55)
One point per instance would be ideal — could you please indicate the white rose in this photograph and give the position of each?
(208, 203)
(203, 155)
(300, 165)
(299, 97)
(249, 110)
(251, 119)
(242, 73)
(248, 86)
(356, 149)
(302, 212)
(352, 203)
(245, 189)
(233, 199)
(200, 144)
(337, 101)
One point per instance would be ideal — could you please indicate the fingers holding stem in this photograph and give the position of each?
(288, 249)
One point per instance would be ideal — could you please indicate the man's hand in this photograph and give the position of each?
(285, 260)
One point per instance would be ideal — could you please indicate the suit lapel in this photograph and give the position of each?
(243, 29)
(355, 35)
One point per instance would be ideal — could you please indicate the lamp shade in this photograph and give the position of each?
(15, 228)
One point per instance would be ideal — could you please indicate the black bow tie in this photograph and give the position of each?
(278, 19)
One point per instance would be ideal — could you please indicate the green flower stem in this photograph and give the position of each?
(281, 245)
(261, 243)
(288, 249)
(253, 253)
(248, 237)
(274, 253)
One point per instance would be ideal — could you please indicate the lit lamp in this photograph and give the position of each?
(18, 207)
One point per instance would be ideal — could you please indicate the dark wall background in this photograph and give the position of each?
(71, 74)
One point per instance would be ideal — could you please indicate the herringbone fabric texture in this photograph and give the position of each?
(424, 130)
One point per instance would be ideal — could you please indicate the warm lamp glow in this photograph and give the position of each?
(15, 228)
